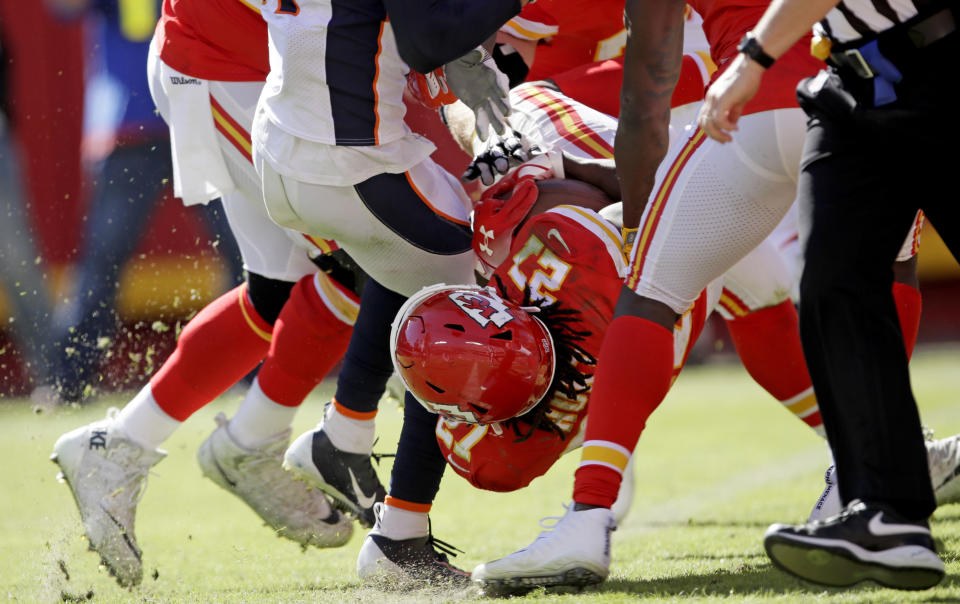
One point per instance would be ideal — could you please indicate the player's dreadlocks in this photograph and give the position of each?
(561, 322)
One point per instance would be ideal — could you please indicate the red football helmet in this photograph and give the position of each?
(469, 355)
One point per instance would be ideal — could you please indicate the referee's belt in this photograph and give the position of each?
(873, 58)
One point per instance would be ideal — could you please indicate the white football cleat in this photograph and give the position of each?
(257, 477)
(574, 553)
(107, 473)
(943, 457)
(621, 507)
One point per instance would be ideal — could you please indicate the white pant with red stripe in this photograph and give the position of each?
(713, 204)
(209, 125)
(770, 273)
(787, 239)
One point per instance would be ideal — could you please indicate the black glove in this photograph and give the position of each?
(500, 154)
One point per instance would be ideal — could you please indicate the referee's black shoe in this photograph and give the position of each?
(863, 542)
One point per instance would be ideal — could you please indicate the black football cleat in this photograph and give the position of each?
(405, 563)
(349, 479)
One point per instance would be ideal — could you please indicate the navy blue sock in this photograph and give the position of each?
(419, 464)
(367, 365)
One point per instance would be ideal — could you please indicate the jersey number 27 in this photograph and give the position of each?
(549, 274)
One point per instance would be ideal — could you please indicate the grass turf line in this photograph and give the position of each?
(719, 461)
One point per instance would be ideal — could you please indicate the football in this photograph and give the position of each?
(557, 191)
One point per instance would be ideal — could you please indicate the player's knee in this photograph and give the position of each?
(268, 295)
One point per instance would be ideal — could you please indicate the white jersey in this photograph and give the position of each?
(335, 74)
(332, 108)
(553, 121)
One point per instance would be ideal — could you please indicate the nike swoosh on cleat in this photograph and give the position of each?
(878, 527)
(232, 483)
(364, 500)
(954, 474)
(123, 533)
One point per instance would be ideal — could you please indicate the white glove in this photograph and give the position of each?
(476, 81)
(499, 155)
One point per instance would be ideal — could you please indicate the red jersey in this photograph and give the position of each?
(571, 255)
(570, 33)
(726, 21)
(597, 85)
(223, 40)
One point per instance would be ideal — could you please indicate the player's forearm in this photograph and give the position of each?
(786, 21)
(431, 34)
(652, 63)
(600, 173)
(527, 49)
(640, 147)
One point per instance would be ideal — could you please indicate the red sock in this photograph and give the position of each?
(909, 305)
(223, 343)
(634, 372)
(309, 338)
(768, 342)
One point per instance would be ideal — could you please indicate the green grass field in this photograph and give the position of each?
(718, 463)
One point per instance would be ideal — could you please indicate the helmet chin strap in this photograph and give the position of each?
(496, 427)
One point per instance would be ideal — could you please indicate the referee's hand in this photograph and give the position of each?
(725, 99)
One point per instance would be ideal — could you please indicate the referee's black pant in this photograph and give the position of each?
(865, 173)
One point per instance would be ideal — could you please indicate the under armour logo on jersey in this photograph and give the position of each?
(487, 236)
(98, 439)
(484, 309)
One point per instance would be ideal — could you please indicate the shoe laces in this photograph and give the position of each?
(441, 548)
(275, 482)
(131, 471)
(549, 523)
(132, 481)
(553, 525)
(376, 457)
(854, 507)
(266, 466)
(277, 487)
